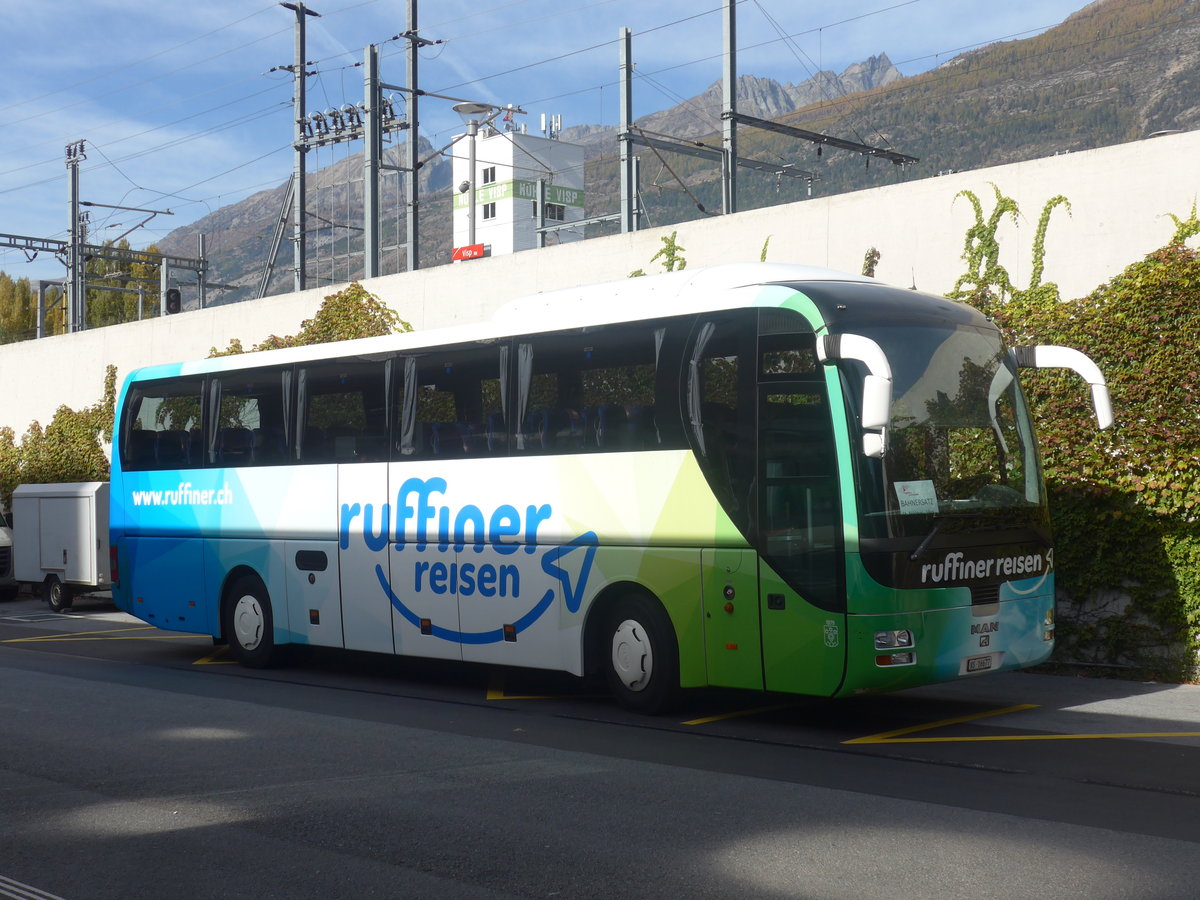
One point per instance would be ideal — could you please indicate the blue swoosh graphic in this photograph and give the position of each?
(572, 593)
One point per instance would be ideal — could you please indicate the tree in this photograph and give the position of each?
(70, 448)
(18, 309)
(353, 312)
(112, 288)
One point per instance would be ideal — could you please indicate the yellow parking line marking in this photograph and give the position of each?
(736, 714)
(495, 691)
(893, 737)
(214, 658)
(898, 736)
(1130, 735)
(107, 634)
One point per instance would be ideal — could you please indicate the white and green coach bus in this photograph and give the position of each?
(751, 476)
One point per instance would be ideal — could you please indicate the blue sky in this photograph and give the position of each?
(181, 110)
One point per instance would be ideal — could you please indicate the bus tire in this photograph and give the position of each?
(641, 656)
(57, 594)
(250, 625)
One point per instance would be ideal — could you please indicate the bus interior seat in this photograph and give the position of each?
(609, 426)
(140, 449)
(497, 433)
(475, 438)
(196, 446)
(313, 447)
(558, 429)
(531, 430)
(447, 439)
(642, 429)
(171, 449)
(235, 447)
(269, 445)
(372, 448)
(343, 441)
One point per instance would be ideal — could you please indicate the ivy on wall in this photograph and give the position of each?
(672, 256)
(1125, 502)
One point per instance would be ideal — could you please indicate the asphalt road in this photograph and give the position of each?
(136, 763)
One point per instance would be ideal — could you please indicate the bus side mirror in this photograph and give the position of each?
(1054, 357)
(877, 384)
(876, 402)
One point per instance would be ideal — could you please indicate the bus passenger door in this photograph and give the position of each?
(799, 522)
(364, 521)
(732, 639)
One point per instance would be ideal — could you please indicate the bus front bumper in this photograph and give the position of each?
(893, 651)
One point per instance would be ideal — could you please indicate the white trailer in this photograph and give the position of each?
(60, 539)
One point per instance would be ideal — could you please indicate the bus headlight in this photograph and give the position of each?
(896, 659)
(893, 640)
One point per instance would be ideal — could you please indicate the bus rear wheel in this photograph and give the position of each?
(642, 658)
(250, 625)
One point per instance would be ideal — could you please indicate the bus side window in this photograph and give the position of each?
(455, 404)
(343, 412)
(157, 421)
(251, 427)
(594, 390)
(720, 407)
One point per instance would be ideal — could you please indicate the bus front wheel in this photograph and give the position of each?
(642, 659)
(249, 624)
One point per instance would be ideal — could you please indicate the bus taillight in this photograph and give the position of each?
(113, 571)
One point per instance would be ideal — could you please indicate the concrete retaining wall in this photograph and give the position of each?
(1120, 197)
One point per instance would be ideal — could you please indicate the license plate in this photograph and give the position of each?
(979, 663)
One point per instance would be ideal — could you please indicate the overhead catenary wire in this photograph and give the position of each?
(166, 145)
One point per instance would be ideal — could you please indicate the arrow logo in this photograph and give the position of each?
(572, 593)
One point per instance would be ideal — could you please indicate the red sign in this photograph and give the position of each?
(470, 251)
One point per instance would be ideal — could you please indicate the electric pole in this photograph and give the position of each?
(299, 105)
(75, 275)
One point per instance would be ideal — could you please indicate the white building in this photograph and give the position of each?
(508, 167)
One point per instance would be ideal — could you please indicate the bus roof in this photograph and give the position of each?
(673, 293)
(624, 300)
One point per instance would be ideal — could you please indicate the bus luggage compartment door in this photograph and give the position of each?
(313, 592)
(732, 635)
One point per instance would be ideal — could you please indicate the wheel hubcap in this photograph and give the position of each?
(248, 622)
(632, 658)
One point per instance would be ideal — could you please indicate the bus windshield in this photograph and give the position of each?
(959, 443)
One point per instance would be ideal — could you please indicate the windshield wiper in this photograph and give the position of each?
(940, 520)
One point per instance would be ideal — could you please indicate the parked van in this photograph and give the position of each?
(8, 581)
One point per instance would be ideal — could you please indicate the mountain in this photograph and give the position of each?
(761, 97)
(1116, 71)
